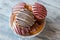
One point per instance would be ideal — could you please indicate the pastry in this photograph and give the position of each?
(39, 11)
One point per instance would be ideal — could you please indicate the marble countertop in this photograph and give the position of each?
(52, 29)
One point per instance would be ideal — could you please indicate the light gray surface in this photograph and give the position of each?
(52, 30)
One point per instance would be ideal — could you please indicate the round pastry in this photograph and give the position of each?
(39, 11)
(24, 18)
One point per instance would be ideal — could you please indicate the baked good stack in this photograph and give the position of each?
(28, 19)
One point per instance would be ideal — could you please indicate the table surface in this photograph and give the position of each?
(52, 29)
